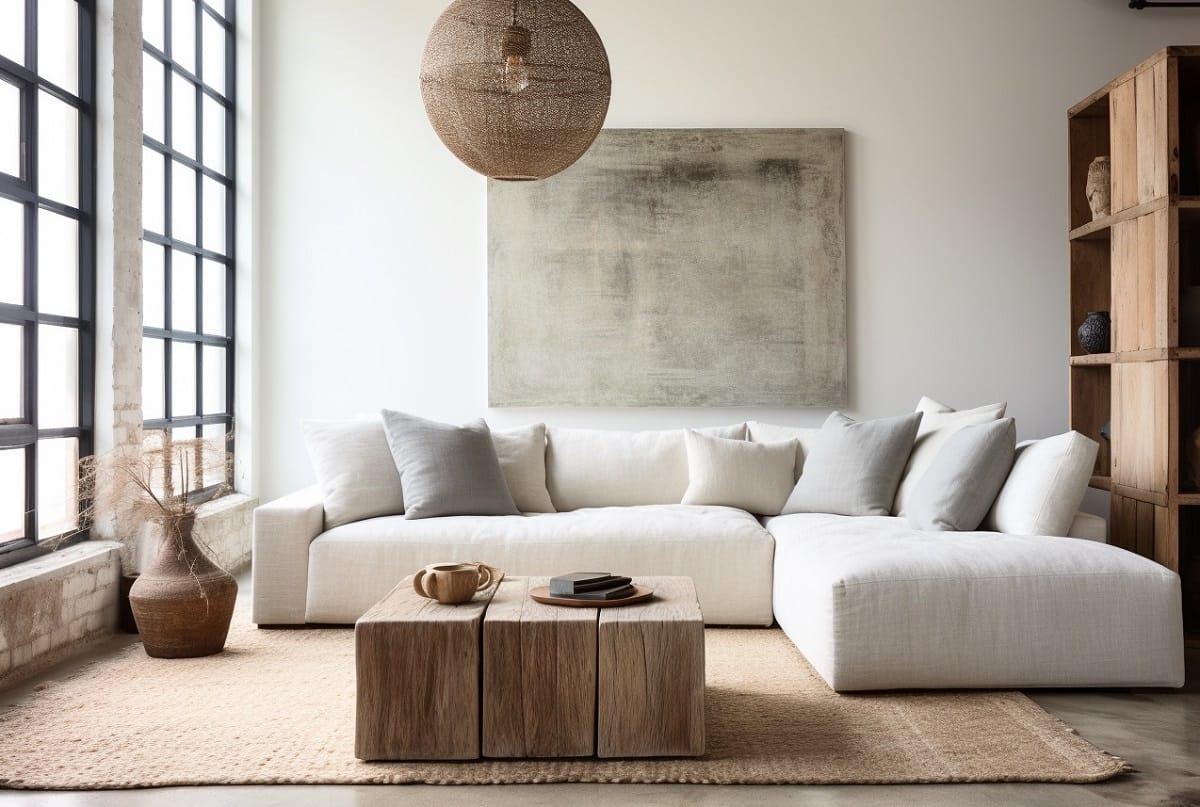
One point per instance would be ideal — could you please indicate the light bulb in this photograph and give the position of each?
(516, 74)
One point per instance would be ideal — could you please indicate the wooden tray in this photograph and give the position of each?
(542, 594)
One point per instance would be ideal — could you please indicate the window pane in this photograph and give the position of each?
(10, 127)
(183, 115)
(11, 359)
(12, 494)
(12, 252)
(215, 195)
(214, 135)
(215, 445)
(153, 385)
(12, 33)
(58, 43)
(214, 298)
(183, 291)
(183, 460)
(58, 486)
(154, 191)
(153, 285)
(183, 379)
(214, 380)
(183, 34)
(58, 264)
(152, 23)
(153, 96)
(213, 42)
(58, 377)
(58, 150)
(183, 202)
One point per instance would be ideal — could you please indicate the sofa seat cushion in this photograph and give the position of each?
(875, 604)
(725, 551)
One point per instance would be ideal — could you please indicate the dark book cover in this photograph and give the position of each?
(615, 593)
(568, 584)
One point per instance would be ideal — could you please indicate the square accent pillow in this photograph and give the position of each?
(447, 470)
(522, 455)
(937, 426)
(855, 467)
(1045, 486)
(958, 489)
(805, 437)
(354, 468)
(756, 477)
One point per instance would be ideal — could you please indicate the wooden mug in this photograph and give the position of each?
(454, 582)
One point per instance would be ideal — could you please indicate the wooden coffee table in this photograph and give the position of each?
(508, 677)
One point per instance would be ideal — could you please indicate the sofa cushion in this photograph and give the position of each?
(958, 489)
(354, 468)
(805, 437)
(522, 455)
(855, 466)
(601, 468)
(447, 470)
(725, 551)
(756, 477)
(873, 603)
(1045, 487)
(938, 424)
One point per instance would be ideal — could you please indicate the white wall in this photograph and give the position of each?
(372, 236)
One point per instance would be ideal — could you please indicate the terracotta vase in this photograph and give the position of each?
(183, 603)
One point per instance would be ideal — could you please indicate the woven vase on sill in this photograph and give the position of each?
(183, 603)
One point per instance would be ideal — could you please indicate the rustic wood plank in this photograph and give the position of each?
(1140, 425)
(539, 676)
(1125, 286)
(1166, 530)
(1122, 528)
(1151, 103)
(1123, 135)
(417, 671)
(1088, 140)
(1145, 529)
(650, 698)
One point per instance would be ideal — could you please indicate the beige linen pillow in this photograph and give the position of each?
(522, 454)
(354, 468)
(938, 424)
(756, 477)
(806, 439)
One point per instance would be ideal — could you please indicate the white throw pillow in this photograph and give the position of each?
(855, 467)
(1045, 486)
(522, 454)
(600, 468)
(756, 477)
(354, 468)
(806, 439)
(938, 424)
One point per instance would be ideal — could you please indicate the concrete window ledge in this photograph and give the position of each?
(225, 526)
(54, 606)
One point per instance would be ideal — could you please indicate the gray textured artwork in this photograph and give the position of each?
(673, 267)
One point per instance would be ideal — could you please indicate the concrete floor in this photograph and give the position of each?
(1157, 731)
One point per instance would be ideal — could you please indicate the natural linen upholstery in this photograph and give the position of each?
(756, 477)
(958, 489)
(1045, 486)
(355, 469)
(725, 551)
(522, 455)
(805, 437)
(873, 603)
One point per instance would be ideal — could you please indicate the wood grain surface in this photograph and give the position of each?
(650, 695)
(539, 676)
(417, 669)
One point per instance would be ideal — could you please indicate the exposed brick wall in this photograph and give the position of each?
(224, 526)
(55, 605)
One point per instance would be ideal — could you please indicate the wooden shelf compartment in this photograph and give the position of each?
(1189, 428)
(1091, 409)
(1189, 566)
(1188, 71)
(1088, 139)
(1090, 284)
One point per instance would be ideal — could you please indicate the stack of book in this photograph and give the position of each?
(591, 586)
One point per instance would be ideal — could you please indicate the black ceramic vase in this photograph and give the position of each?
(1093, 334)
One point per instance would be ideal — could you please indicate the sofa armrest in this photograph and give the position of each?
(1089, 526)
(283, 529)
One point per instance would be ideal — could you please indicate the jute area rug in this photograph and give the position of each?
(278, 707)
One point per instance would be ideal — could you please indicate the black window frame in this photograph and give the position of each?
(167, 334)
(23, 433)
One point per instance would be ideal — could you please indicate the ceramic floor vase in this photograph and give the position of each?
(183, 603)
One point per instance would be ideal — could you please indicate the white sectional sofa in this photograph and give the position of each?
(871, 602)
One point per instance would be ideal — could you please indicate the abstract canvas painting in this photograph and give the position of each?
(673, 267)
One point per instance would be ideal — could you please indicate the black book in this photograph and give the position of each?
(615, 593)
(568, 585)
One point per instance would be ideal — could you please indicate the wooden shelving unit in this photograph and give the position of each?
(1137, 263)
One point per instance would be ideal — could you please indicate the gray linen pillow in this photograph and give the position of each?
(854, 467)
(447, 470)
(962, 483)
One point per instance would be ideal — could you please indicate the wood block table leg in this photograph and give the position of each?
(417, 670)
(650, 694)
(539, 676)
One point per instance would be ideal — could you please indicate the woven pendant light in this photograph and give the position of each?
(516, 89)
